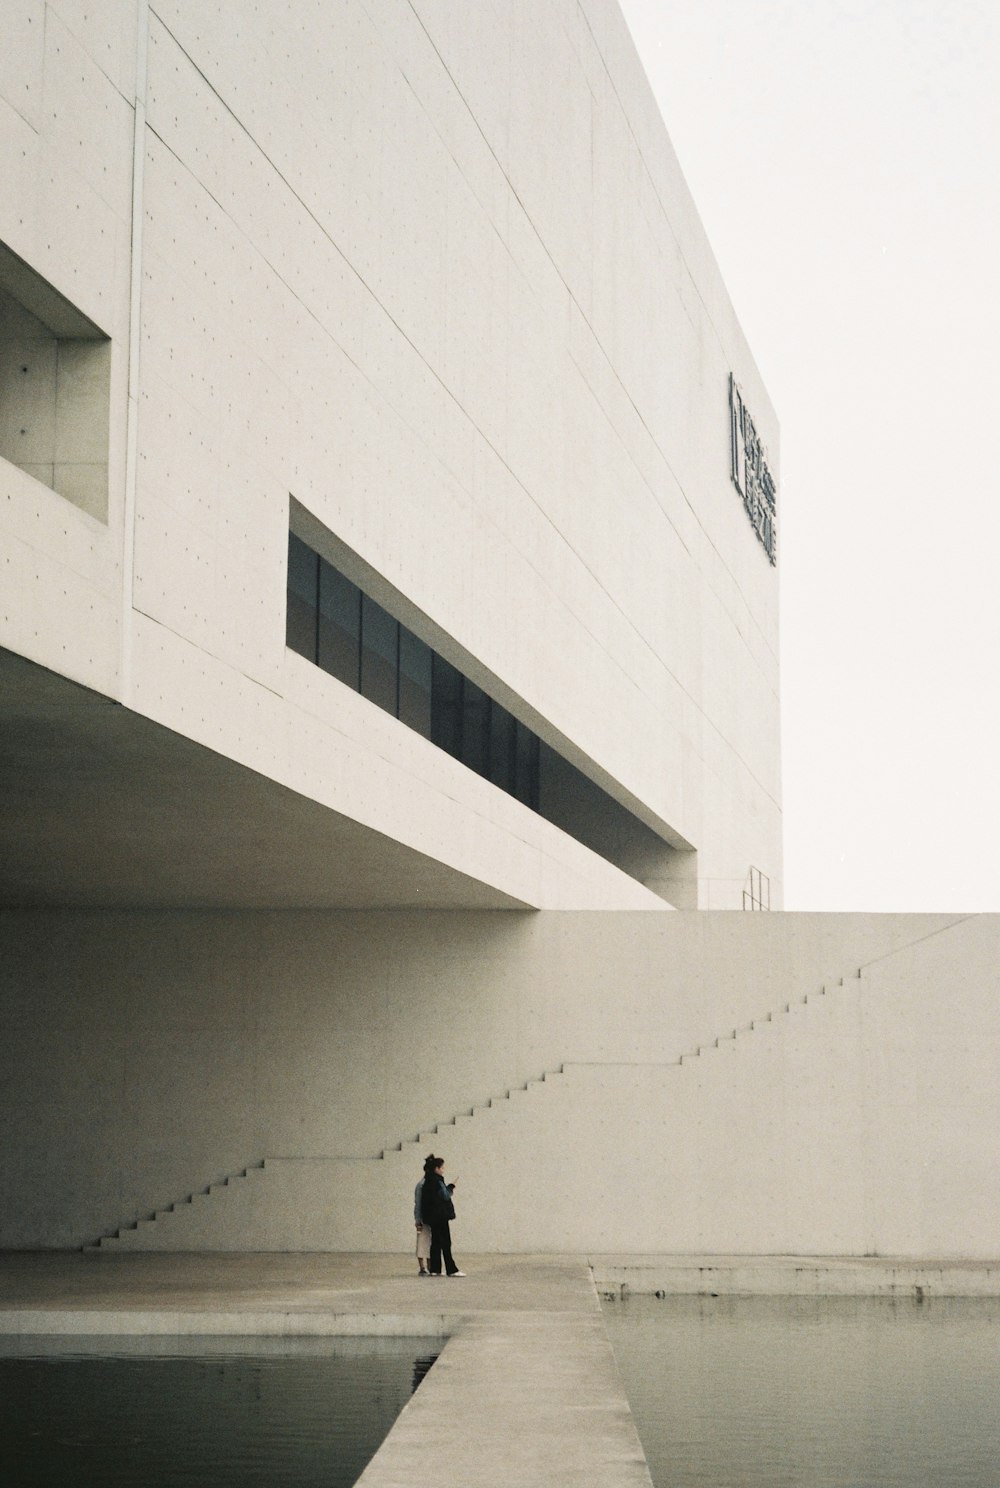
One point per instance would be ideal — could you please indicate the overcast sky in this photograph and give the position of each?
(844, 157)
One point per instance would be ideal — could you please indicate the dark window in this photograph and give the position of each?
(303, 582)
(415, 661)
(503, 761)
(339, 625)
(330, 621)
(526, 773)
(475, 729)
(379, 654)
(446, 708)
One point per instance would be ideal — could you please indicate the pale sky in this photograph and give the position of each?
(845, 158)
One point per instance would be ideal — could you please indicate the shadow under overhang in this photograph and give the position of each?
(102, 808)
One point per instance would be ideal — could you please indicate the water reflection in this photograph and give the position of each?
(813, 1392)
(225, 1412)
(420, 1368)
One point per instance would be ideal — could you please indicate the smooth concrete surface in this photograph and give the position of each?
(100, 805)
(461, 311)
(58, 1292)
(103, 807)
(520, 1399)
(617, 1277)
(279, 1293)
(148, 1057)
(525, 1392)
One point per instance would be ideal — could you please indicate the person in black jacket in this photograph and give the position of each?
(437, 1209)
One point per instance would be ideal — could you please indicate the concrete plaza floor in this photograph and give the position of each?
(524, 1392)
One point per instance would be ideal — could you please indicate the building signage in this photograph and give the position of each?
(751, 476)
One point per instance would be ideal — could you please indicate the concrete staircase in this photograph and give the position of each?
(511, 1099)
(771, 1020)
(682, 1132)
(193, 1223)
(190, 1216)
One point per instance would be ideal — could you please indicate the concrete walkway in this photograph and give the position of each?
(524, 1394)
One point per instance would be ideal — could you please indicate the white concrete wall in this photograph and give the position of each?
(147, 1055)
(67, 88)
(433, 271)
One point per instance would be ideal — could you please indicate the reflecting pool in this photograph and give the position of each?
(196, 1411)
(846, 1392)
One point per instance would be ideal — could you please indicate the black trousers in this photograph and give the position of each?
(441, 1246)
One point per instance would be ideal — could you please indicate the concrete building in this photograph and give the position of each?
(389, 631)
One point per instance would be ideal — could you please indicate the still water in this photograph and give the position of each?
(120, 1413)
(855, 1392)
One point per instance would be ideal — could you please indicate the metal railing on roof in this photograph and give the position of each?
(757, 890)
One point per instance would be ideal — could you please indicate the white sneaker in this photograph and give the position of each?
(456, 1273)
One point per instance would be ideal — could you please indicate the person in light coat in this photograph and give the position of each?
(423, 1230)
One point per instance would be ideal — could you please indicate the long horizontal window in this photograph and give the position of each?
(334, 624)
(337, 626)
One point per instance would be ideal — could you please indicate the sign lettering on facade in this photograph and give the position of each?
(751, 477)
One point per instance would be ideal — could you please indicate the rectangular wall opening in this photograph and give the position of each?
(55, 388)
